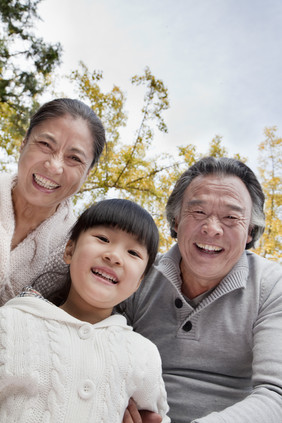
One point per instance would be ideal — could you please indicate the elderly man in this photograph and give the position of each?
(213, 308)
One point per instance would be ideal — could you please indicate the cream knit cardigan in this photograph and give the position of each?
(57, 369)
(25, 262)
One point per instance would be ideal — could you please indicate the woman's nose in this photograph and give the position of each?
(55, 165)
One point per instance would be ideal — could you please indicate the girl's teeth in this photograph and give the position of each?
(105, 276)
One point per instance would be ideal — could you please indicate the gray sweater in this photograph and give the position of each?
(222, 361)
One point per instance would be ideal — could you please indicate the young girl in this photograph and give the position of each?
(79, 362)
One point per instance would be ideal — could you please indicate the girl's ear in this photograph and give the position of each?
(141, 279)
(69, 251)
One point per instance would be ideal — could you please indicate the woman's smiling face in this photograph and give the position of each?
(54, 161)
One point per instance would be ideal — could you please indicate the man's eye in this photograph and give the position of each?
(199, 213)
(44, 144)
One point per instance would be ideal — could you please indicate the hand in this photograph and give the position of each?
(132, 415)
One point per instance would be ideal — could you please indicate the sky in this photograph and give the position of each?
(220, 60)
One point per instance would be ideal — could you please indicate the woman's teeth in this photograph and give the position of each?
(45, 183)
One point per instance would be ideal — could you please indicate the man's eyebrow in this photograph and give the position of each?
(229, 206)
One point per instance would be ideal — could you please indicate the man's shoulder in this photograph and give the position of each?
(262, 264)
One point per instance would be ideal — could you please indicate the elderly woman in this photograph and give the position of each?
(64, 141)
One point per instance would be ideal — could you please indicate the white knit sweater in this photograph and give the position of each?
(55, 368)
(25, 262)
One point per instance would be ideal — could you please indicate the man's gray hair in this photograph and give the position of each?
(220, 166)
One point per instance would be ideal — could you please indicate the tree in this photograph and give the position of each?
(26, 63)
(125, 170)
(270, 170)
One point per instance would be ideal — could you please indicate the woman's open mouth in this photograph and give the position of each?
(44, 182)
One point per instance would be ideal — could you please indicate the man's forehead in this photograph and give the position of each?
(229, 188)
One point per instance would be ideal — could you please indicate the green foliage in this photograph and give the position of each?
(127, 170)
(26, 63)
(270, 171)
(25, 60)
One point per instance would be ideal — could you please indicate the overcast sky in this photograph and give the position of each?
(220, 60)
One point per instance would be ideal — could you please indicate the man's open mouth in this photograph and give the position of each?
(210, 249)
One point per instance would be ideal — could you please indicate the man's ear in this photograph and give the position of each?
(250, 236)
(68, 251)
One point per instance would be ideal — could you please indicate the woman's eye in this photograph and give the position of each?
(76, 159)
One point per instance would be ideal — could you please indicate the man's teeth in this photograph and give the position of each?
(209, 247)
(45, 183)
(105, 276)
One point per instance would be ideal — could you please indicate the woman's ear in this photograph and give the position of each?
(175, 225)
(68, 251)
(23, 144)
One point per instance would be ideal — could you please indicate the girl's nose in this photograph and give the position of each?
(113, 257)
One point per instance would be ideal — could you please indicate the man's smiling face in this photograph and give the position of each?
(212, 230)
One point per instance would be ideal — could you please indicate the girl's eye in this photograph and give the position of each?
(134, 253)
(102, 238)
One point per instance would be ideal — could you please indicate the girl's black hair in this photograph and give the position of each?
(117, 213)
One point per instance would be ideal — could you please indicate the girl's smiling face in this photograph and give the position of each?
(106, 267)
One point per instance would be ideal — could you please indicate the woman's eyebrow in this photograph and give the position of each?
(53, 140)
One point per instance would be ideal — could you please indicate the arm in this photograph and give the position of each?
(148, 389)
(132, 415)
(53, 273)
(264, 404)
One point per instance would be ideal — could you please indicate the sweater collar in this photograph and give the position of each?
(48, 311)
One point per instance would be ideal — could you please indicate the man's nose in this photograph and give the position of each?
(212, 226)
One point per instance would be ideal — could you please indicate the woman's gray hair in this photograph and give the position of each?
(220, 166)
(61, 107)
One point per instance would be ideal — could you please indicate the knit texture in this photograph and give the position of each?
(26, 262)
(222, 360)
(55, 368)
